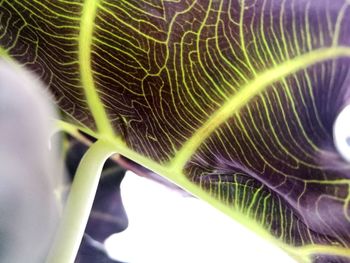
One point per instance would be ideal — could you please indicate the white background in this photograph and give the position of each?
(167, 227)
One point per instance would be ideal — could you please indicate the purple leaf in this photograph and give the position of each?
(162, 71)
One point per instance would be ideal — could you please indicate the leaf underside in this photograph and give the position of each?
(236, 97)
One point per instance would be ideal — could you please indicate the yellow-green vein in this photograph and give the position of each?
(85, 42)
(253, 88)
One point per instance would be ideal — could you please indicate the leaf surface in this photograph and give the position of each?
(235, 99)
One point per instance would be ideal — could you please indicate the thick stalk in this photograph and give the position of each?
(77, 210)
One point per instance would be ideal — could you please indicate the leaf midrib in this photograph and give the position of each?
(94, 102)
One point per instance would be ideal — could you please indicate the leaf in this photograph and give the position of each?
(233, 100)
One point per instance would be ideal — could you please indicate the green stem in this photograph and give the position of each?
(79, 203)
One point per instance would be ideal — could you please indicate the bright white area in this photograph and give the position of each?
(167, 227)
(341, 133)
